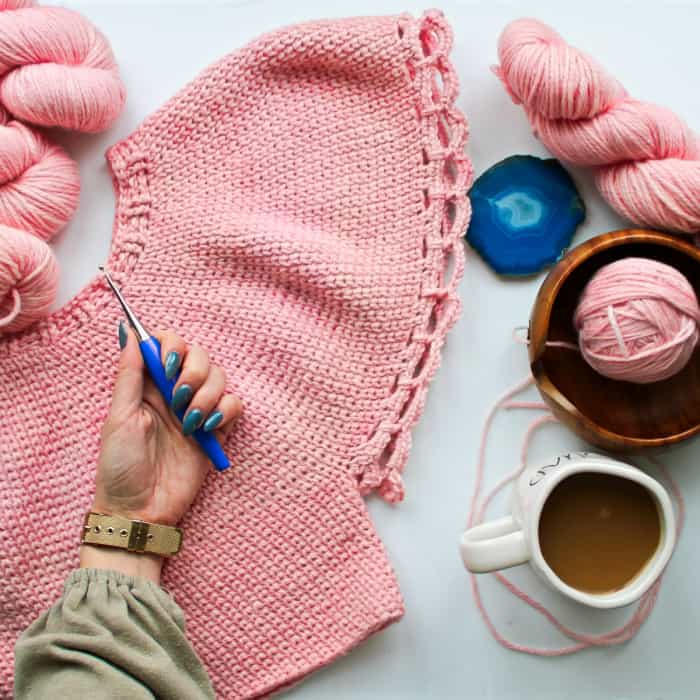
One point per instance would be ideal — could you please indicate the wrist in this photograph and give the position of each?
(133, 563)
(148, 515)
(147, 566)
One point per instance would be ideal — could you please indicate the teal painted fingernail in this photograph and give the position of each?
(172, 364)
(192, 421)
(123, 335)
(213, 421)
(181, 397)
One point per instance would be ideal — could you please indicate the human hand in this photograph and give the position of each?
(148, 469)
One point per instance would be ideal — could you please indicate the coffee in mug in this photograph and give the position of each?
(598, 530)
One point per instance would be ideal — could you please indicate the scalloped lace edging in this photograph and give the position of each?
(378, 463)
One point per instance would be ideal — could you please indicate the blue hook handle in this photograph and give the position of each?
(150, 349)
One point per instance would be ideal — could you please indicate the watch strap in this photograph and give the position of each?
(133, 535)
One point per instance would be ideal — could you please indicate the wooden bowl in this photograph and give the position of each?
(612, 414)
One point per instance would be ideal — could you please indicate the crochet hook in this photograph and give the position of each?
(150, 350)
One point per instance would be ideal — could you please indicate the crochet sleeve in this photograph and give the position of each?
(110, 635)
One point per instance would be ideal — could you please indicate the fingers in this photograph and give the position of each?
(211, 409)
(128, 388)
(173, 350)
(204, 401)
(229, 410)
(200, 387)
(195, 370)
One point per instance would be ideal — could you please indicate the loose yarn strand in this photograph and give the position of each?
(14, 311)
(519, 387)
(476, 516)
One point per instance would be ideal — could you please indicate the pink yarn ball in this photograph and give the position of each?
(638, 321)
(58, 69)
(28, 279)
(647, 160)
(39, 183)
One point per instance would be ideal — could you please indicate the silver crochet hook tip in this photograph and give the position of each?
(141, 332)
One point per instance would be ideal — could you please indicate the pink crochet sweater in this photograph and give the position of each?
(296, 209)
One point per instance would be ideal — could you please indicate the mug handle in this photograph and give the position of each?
(496, 545)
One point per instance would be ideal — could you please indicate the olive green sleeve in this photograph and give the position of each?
(109, 636)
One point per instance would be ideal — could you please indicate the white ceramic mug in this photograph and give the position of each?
(514, 540)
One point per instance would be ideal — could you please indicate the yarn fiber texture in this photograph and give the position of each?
(646, 160)
(29, 269)
(56, 70)
(298, 210)
(638, 321)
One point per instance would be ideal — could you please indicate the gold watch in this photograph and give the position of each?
(133, 535)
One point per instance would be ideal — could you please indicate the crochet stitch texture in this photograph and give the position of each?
(297, 209)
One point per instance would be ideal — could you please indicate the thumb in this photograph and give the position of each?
(128, 387)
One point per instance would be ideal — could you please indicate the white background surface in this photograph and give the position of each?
(441, 648)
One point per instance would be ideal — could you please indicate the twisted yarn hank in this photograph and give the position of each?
(39, 183)
(647, 160)
(28, 268)
(637, 321)
(56, 70)
(39, 191)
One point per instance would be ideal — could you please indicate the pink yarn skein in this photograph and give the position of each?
(647, 160)
(56, 70)
(638, 321)
(39, 183)
(29, 270)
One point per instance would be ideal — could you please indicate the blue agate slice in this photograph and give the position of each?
(525, 211)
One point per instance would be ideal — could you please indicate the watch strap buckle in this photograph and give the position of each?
(138, 536)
